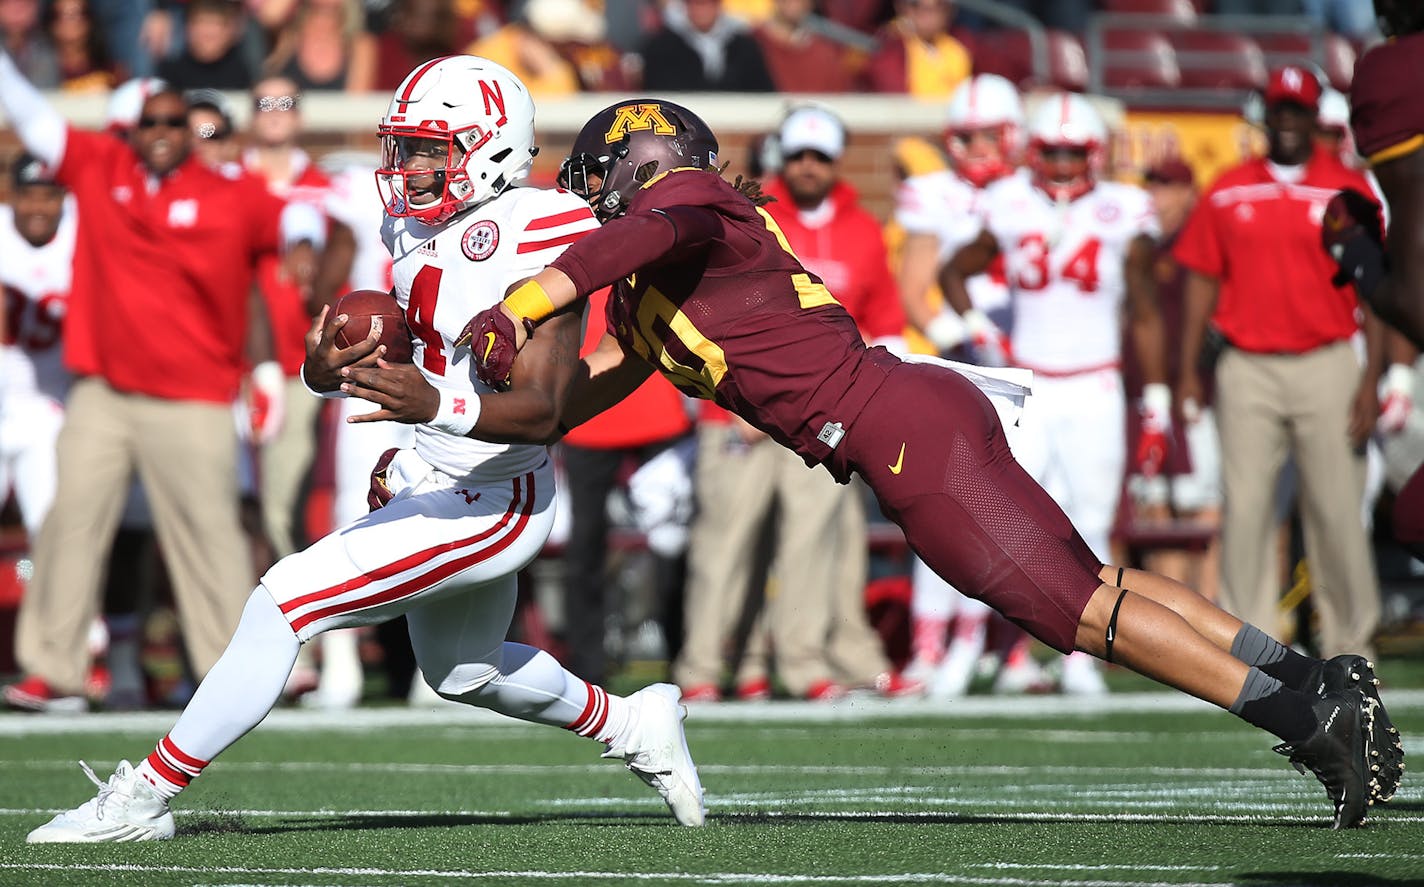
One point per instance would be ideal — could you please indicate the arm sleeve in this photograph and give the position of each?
(40, 127)
(636, 241)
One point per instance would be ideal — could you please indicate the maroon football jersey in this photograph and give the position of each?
(1386, 113)
(706, 289)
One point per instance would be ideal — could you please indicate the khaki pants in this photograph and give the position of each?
(185, 453)
(285, 464)
(738, 488)
(1268, 405)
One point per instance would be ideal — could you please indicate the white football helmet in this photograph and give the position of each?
(985, 103)
(1066, 121)
(459, 101)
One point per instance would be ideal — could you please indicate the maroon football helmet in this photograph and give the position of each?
(625, 146)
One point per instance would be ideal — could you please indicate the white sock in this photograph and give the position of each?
(532, 686)
(237, 694)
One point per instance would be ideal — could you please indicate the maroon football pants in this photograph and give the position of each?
(931, 447)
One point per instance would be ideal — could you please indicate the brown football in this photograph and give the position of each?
(362, 307)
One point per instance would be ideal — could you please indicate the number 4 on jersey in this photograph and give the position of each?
(420, 317)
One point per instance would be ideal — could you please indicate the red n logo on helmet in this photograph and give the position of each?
(493, 96)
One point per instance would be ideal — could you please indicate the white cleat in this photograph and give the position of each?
(956, 671)
(125, 809)
(656, 751)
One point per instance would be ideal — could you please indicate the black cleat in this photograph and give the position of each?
(1338, 753)
(1387, 759)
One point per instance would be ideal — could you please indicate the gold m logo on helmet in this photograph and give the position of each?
(636, 118)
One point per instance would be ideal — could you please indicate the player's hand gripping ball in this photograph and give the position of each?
(364, 308)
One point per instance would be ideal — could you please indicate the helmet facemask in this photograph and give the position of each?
(1064, 170)
(446, 157)
(980, 155)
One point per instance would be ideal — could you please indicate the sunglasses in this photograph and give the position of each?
(809, 154)
(275, 103)
(175, 122)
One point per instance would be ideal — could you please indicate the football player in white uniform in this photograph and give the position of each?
(457, 517)
(1077, 251)
(939, 213)
(37, 241)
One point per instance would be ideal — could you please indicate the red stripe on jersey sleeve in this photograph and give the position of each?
(564, 218)
(534, 246)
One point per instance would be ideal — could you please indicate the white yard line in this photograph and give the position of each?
(793, 713)
(670, 877)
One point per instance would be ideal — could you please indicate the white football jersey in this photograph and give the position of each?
(945, 205)
(36, 282)
(445, 274)
(354, 201)
(1064, 265)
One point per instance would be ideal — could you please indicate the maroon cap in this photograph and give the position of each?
(1293, 83)
(1170, 171)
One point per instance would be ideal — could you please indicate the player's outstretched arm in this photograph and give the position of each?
(960, 321)
(605, 377)
(40, 127)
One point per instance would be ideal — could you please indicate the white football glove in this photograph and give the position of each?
(1396, 397)
(266, 401)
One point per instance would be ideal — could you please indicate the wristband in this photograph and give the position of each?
(458, 412)
(1398, 380)
(530, 302)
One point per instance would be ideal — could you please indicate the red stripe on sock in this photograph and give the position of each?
(180, 757)
(590, 711)
(600, 714)
(160, 765)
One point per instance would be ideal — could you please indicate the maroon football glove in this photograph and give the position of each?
(1350, 233)
(380, 492)
(490, 335)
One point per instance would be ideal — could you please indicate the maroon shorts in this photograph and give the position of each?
(1408, 515)
(931, 447)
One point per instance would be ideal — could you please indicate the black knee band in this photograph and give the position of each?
(1111, 634)
(1118, 583)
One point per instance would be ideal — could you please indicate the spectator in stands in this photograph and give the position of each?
(702, 49)
(24, 38)
(175, 247)
(577, 31)
(524, 49)
(214, 135)
(418, 31)
(595, 455)
(917, 55)
(814, 610)
(1287, 380)
(1189, 488)
(801, 58)
(282, 413)
(120, 23)
(212, 55)
(1354, 19)
(324, 46)
(1333, 127)
(83, 57)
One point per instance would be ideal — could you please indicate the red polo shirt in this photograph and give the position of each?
(161, 279)
(1260, 238)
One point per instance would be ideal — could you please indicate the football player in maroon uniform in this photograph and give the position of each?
(1388, 121)
(706, 291)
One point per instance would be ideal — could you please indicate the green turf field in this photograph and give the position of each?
(1147, 789)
